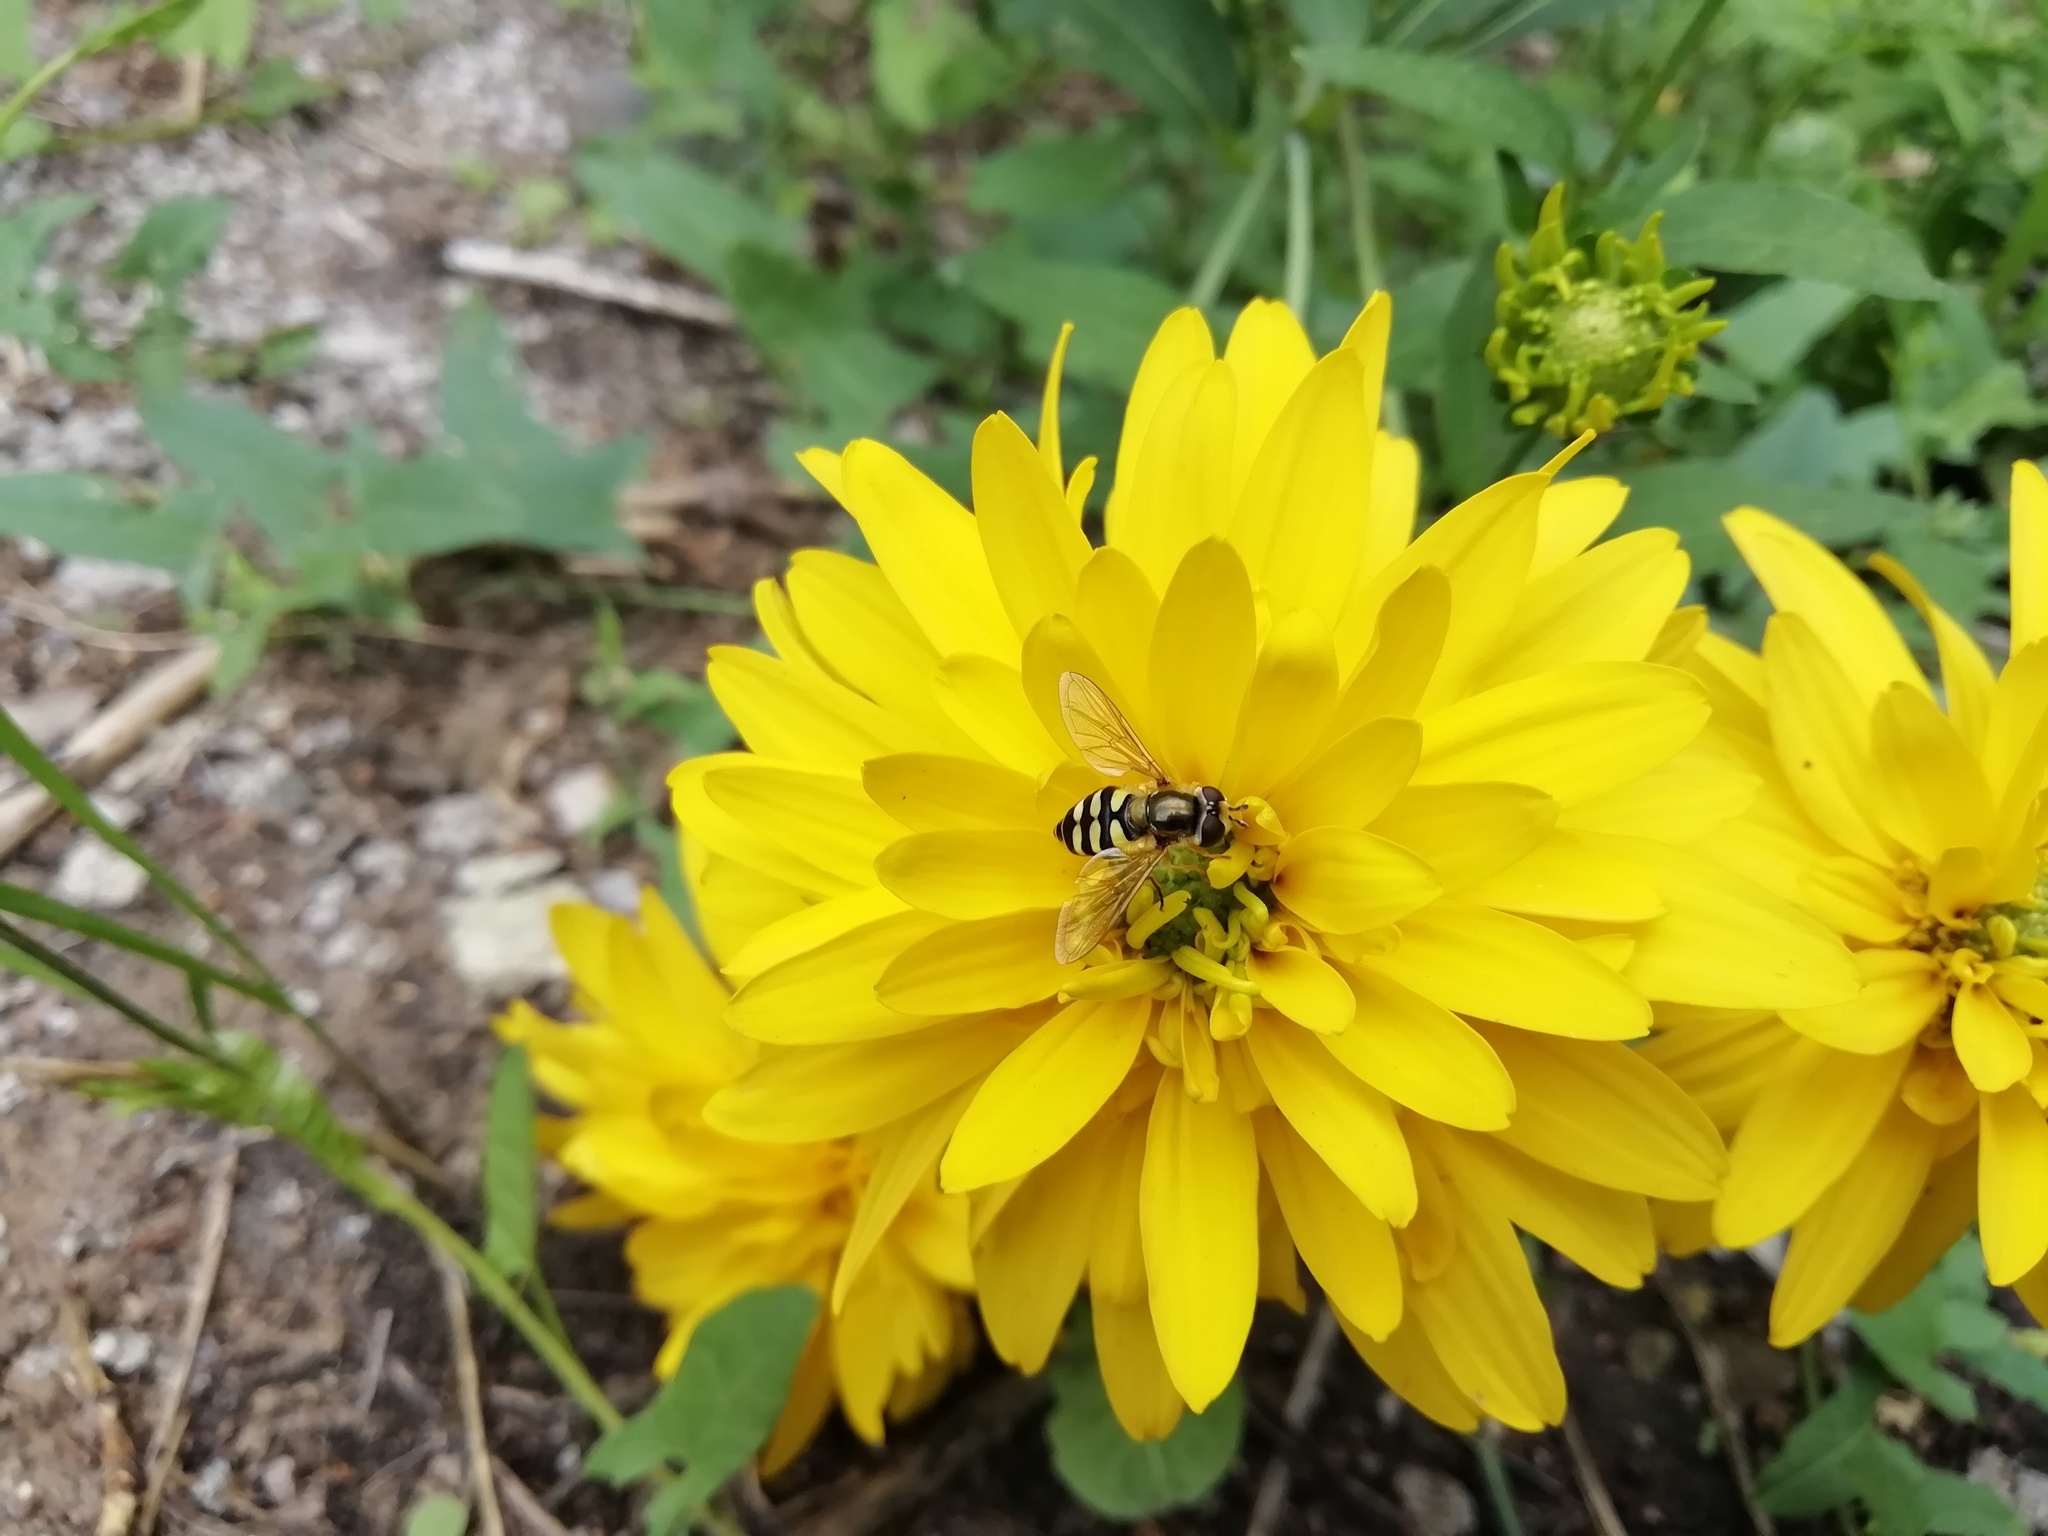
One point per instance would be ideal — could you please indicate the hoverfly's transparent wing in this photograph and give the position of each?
(1105, 887)
(1100, 730)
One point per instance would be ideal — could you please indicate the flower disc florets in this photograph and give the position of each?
(1581, 344)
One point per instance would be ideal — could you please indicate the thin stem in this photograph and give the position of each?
(1301, 229)
(1222, 252)
(1655, 86)
(35, 85)
(1365, 244)
(1407, 25)
(1494, 1474)
(383, 1193)
(99, 991)
(22, 902)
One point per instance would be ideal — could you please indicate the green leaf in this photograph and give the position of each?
(1046, 176)
(139, 27)
(1472, 433)
(1115, 310)
(930, 62)
(511, 1207)
(94, 925)
(282, 485)
(723, 1400)
(1768, 334)
(439, 1514)
(275, 87)
(1421, 307)
(1787, 231)
(687, 214)
(1692, 496)
(173, 242)
(86, 515)
(1332, 23)
(221, 30)
(1493, 104)
(527, 486)
(1952, 385)
(17, 54)
(1173, 55)
(1813, 1470)
(1117, 1476)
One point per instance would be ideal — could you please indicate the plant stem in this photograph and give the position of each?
(1301, 229)
(1407, 25)
(1655, 86)
(1365, 243)
(1215, 269)
(386, 1195)
(1495, 1476)
(100, 992)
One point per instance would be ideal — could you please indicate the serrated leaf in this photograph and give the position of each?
(527, 486)
(1786, 231)
(86, 515)
(1117, 1476)
(439, 1514)
(1114, 310)
(511, 1208)
(692, 217)
(1493, 104)
(1812, 1471)
(1173, 55)
(282, 485)
(722, 1402)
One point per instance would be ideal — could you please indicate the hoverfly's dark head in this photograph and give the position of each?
(1212, 828)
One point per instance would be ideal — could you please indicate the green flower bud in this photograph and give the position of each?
(1580, 344)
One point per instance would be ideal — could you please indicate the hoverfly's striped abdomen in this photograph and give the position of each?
(1102, 821)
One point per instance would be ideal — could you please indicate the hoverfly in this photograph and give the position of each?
(1123, 833)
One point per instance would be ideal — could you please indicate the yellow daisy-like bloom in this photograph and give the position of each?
(1877, 1129)
(1382, 1026)
(713, 1217)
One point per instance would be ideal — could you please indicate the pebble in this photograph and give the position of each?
(456, 826)
(502, 945)
(327, 902)
(383, 863)
(122, 1351)
(329, 735)
(578, 799)
(48, 717)
(2015, 1482)
(93, 875)
(493, 874)
(616, 890)
(264, 783)
(209, 1487)
(1435, 1505)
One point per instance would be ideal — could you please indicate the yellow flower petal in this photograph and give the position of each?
(1606, 1232)
(826, 818)
(1288, 702)
(1141, 1394)
(1350, 1125)
(1837, 1243)
(814, 1093)
(1390, 515)
(904, 1157)
(1199, 1204)
(709, 826)
(1043, 1092)
(1349, 1250)
(979, 874)
(1940, 1216)
(1400, 652)
(1179, 475)
(1201, 661)
(1686, 798)
(1572, 732)
(1820, 733)
(1602, 1113)
(808, 927)
(1565, 876)
(1572, 514)
(1029, 1262)
(1269, 355)
(850, 613)
(1931, 795)
(1466, 832)
(1408, 1365)
(985, 699)
(826, 995)
(1116, 1257)
(1988, 1040)
(1800, 1136)
(734, 901)
(994, 962)
(1966, 681)
(1344, 880)
(802, 716)
(1804, 580)
(1721, 1060)
(1489, 965)
(1608, 604)
(1181, 344)
(1035, 548)
(2012, 1183)
(1305, 987)
(1902, 990)
(927, 545)
(1116, 608)
(1423, 1057)
(1350, 782)
(932, 792)
(1855, 898)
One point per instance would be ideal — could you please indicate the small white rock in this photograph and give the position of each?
(493, 874)
(616, 890)
(327, 902)
(93, 875)
(578, 799)
(329, 735)
(382, 862)
(122, 811)
(1435, 1505)
(455, 826)
(210, 1486)
(280, 1479)
(266, 783)
(502, 945)
(83, 585)
(2015, 1482)
(122, 1351)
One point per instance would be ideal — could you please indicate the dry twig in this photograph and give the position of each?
(38, 609)
(565, 274)
(469, 1389)
(526, 1508)
(1599, 1503)
(110, 736)
(117, 1451)
(1270, 1503)
(373, 1359)
(171, 1411)
(1714, 1379)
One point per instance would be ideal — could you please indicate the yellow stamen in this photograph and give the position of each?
(1123, 978)
(1227, 868)
(1154, 918)
(1202, 968)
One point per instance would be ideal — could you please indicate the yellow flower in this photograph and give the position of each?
(713, 1217)
(1878, 1128)
(1382, 1026)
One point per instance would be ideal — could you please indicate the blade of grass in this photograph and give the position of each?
(92, 987)
(92, 925)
